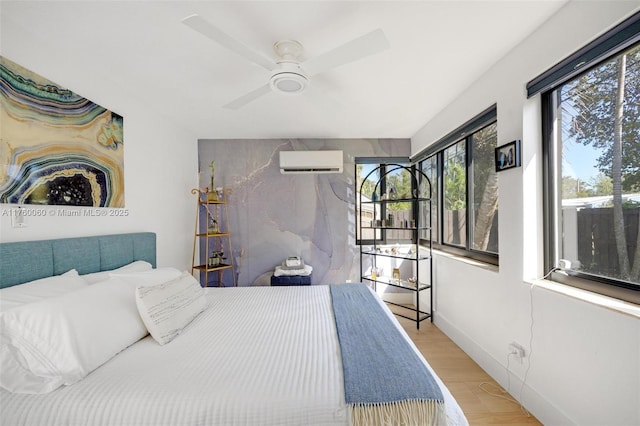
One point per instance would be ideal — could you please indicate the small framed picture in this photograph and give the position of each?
(508, 156)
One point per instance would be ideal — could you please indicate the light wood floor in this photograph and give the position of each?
(464, 377)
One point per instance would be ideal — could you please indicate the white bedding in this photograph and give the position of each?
(261, 355)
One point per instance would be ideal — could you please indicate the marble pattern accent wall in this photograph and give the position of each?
(273, 216)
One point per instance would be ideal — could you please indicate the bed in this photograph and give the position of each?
(249, 356)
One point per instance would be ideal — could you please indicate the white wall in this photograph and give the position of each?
(160, 158)
(584, 359)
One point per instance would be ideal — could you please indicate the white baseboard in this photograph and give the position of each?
(535, 403)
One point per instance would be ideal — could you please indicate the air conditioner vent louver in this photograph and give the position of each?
(301, 162)
(314, 170)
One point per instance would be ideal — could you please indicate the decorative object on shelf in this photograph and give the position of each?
(216, 259)
(374, 273)
(507, 156)
(392, 193)
(213, 225)
(412, 282)
(212, 195)
(396, 274)
(374, 196)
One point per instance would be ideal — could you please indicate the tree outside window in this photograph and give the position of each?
(484, 209)
(454, 222)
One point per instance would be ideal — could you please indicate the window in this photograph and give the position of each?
(454, 223)
(396, 180)
(464, 197)
(592, 168)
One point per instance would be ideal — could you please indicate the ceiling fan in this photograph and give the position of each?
(288, 74)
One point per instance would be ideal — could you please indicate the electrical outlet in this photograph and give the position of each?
(517, 350)
(564, 264)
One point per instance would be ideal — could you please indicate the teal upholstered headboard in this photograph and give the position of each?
(25, 261)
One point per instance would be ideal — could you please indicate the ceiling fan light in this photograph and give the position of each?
(288, 83)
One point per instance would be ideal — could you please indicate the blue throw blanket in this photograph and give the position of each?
(385, 381)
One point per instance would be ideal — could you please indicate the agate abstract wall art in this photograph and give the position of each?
(56, 148)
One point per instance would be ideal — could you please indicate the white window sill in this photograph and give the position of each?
(607, 302)
(467, 260)
(601, 300)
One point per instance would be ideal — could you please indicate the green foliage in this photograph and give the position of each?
(601, 184)
(401, 182)
(578, 188)
(455, 189)
(590, 102)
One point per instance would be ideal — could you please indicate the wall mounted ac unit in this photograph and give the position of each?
(310, 162)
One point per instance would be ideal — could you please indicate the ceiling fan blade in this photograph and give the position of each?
(198, 23)
(249, 97)
(359, 48)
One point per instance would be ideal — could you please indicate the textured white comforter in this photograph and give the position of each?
(259, 356)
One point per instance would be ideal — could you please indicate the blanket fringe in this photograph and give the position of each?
(409, 413)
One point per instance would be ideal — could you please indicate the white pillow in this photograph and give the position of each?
(168, 308)
(34, 291)
(137, 266)
(145, 278)
(58, 341)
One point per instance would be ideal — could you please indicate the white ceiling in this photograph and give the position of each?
(438, 48)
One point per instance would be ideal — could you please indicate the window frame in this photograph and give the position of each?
(464, 132)
(602, 49)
